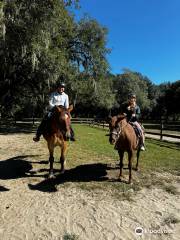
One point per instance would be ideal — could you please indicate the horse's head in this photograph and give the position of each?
(59, 113)
(115, 127)
(62, 118)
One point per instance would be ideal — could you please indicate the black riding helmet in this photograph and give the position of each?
(61, 84)
(60, 81)
(131, 95)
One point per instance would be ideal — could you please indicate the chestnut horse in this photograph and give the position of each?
(56, 134)
(124, 137)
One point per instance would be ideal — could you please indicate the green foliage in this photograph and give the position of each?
(40, 41)
(92, 38)
(131, 82)
(167, 102)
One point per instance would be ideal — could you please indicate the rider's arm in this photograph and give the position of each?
(66, 102)
(51, 101)
(137, 112)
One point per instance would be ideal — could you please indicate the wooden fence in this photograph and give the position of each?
(152, 127)
(160, 128)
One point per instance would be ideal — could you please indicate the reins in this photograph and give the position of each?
(120, 131)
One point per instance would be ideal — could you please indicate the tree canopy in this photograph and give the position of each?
(41, 43)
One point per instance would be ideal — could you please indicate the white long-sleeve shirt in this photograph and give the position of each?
(57, 99)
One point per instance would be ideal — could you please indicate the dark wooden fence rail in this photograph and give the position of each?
(153, 127)
(161, 129)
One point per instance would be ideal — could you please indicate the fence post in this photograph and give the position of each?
(33, 121)
(161, 131)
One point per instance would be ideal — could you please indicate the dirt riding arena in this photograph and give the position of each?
(33, 209)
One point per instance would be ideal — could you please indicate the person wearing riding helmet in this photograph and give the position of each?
(132, 112)
(57, 98)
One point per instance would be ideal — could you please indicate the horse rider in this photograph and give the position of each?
(57, 98)
(132, 112)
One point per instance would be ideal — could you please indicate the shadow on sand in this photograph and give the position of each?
(83, 173)
(15, 167)
(3, 189)
(20, 167)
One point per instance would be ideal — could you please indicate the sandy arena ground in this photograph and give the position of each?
(31, 213)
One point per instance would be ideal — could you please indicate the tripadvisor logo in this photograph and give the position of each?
(139, 231)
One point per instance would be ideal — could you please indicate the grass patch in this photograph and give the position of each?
(68, 236)
(92, 144)
(161, 156)
(91, 162)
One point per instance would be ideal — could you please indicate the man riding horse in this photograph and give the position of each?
(57, 98)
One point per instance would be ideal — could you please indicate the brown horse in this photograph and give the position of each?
(124, 137)
(56, 134)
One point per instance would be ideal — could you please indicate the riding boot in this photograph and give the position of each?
(141, 143)
(72, 137)
(40, 129)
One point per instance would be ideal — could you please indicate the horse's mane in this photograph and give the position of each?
(58, 109)
(121, 116)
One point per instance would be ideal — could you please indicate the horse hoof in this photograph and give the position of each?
(51, 176)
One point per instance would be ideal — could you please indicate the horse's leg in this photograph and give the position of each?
(130, 157)
(62, 158)
(51, 160)
(137, 155)
(121, 155)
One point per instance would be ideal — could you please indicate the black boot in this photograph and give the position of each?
(72, 138)
(43, 125)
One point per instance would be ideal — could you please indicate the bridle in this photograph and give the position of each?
(117, 132)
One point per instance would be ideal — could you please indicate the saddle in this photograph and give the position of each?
(136, 130)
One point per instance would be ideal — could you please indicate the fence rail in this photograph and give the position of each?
(161, 129)
(158, 129)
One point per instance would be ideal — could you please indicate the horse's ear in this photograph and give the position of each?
(70, 108)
